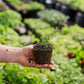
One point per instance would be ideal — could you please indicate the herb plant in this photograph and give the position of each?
(10, 18)
(55, 18)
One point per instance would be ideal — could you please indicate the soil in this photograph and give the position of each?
(43, 53)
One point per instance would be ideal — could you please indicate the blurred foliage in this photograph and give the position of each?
(77, 4)
(65, 71)
(9, 37)
(2, 6)
(55, 18)
(40, 27)
(76, 32)
(10, 18)
(20, 5)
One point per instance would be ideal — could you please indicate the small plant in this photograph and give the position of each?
(53, 17)
(43, 50)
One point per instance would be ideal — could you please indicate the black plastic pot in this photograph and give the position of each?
(42, 56)
(80, 19)
(67, 10)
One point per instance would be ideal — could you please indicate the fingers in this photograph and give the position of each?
(52, 63)
(33, 64)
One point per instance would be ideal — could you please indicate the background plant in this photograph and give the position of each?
(10, 18)
(20, 5)
(9, 37)
(53, 17)
(40, 27)
(76, 4)
(2, 6)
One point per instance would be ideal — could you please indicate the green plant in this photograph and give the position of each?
(9, 37)
(10, 18)
(40, 27)
(76, 32)
(76, 4)
(55, 18)
(20, 5)
(16, 74)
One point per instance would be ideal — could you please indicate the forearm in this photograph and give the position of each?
(9, 54)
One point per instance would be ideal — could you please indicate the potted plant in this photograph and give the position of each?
(43, 50)
(43, 53)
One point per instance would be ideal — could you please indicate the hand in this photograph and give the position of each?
(27, 59)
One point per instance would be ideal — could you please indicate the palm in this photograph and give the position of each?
(27, 59)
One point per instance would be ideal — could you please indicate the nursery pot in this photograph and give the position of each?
(80, 19)
(43, 53)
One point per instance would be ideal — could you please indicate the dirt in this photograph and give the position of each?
(43, 53)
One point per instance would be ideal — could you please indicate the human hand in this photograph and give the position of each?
(27, 58)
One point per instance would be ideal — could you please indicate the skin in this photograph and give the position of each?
(23, 56)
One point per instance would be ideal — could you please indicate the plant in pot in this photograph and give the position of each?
(43, 50)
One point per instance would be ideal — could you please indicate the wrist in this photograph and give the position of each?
(10, 54)
(13, 54)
